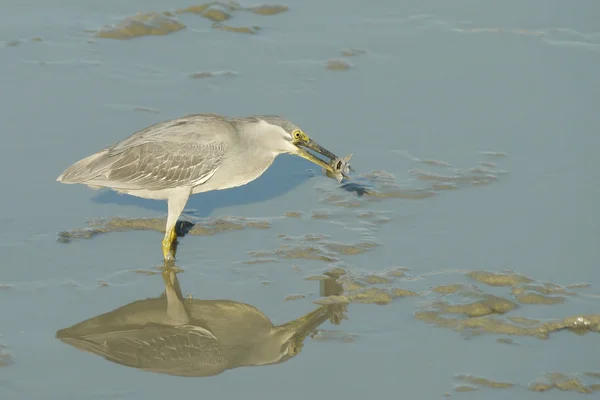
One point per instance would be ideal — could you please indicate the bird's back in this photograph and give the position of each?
(202, 128)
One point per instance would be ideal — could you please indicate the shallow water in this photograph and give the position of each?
(472, 126)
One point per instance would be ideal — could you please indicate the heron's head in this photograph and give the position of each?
(295, 141)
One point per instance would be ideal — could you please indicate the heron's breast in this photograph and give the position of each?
(234, 172)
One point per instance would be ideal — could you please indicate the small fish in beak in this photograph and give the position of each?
(340, 168)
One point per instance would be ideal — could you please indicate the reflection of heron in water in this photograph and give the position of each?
(192, 337)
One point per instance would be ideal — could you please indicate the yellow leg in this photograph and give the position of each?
(169, 245)
(176, 202)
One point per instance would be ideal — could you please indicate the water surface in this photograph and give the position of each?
(473, 124)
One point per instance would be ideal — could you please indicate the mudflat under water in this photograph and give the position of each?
(461, 258)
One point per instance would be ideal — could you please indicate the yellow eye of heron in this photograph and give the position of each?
(297, 134)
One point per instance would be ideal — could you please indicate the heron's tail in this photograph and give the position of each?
(86, 169)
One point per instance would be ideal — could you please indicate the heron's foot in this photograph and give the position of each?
(166, 248)
(169, 245)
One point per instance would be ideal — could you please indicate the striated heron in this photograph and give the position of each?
(174, 159)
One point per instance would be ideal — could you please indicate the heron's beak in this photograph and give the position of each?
(317, 148)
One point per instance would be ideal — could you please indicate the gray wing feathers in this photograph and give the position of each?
(185, 151)
(85, 169)
(155, 166)
(151, 166)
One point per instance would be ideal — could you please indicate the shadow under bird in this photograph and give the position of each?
(197, 153)
(192, 337)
